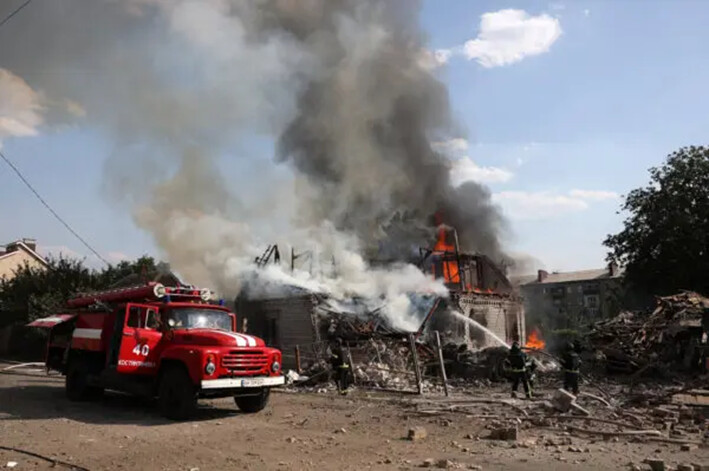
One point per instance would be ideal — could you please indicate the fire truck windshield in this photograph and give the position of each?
(194, 318)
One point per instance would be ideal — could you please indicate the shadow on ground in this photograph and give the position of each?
(29, 397)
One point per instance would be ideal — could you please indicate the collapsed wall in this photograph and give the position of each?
(502, 315)
(478, 290)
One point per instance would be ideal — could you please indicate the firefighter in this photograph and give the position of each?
(341, 367)
(570, 362)
(517, 361)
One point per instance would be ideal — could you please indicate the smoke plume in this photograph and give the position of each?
(183, 89)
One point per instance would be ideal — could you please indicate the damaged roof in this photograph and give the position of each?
(566, 277)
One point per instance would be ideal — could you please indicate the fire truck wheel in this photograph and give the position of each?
(176, 395)
(77, 382)
(252, 404)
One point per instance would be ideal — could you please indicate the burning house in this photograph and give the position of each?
(290, 316)
(479, 290)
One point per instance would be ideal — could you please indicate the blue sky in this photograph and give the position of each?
(560, 119)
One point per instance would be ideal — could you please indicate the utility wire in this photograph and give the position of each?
(7, 18)
(29, 185)
(46, 205)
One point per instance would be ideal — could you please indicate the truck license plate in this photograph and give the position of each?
(252, 382)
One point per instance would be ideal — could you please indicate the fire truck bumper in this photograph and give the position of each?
(254, 382)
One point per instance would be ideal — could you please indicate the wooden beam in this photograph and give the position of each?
(441, 363)
(415, 358)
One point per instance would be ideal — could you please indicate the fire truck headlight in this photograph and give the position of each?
(210, 368)
(275, 367)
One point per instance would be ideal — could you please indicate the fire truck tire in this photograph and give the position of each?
(177, 399)
(252, 404)
(77, 382)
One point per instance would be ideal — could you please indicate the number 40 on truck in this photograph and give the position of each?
(152, 340)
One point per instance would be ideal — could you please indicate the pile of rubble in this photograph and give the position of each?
(385, 361)
(464, 363)
(672, 334)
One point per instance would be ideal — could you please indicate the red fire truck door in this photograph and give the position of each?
(140, 340)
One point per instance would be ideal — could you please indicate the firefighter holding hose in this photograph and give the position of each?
(518, 367)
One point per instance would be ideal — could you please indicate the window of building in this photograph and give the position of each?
(591, 301)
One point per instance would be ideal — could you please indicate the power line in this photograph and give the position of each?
(46, 205)
(29, 185)
(7, 18)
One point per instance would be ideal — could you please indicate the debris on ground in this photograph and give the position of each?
(417, 433)
(505, 433)
(672, 335)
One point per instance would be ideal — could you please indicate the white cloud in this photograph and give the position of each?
(524, 205)
(537, 205)
(586, 12)
(20, 107)
(464, 169)
(454, 145)
(508, 36)
(594, 195)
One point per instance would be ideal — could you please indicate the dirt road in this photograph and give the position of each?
(297, 431)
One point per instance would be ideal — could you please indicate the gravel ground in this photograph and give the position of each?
(298, 431)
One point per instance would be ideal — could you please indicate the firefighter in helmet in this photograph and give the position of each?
(517, 361)
(570, 362)
(340, 366)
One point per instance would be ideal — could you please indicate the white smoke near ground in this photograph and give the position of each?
(179, 86)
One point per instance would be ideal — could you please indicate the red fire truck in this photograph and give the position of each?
(166, 342)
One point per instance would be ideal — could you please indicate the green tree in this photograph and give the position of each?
(664, 244)
(37, 292)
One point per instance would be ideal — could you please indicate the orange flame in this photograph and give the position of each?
(534, 340)
(450, 268)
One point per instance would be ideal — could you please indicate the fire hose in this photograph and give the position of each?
(558, 361)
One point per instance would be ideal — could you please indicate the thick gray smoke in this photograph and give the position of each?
(364, 123)
(181, 87)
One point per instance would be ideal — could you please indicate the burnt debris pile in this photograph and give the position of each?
(670, 338)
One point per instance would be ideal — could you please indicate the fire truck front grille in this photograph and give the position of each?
(245, 361)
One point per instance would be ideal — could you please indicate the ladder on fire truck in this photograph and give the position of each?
(151, 291)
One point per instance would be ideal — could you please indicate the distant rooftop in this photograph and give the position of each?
(542, 277)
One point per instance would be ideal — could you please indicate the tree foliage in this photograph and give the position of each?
(36, 292)
(664, 244)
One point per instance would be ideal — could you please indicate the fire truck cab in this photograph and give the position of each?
(158, 341)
